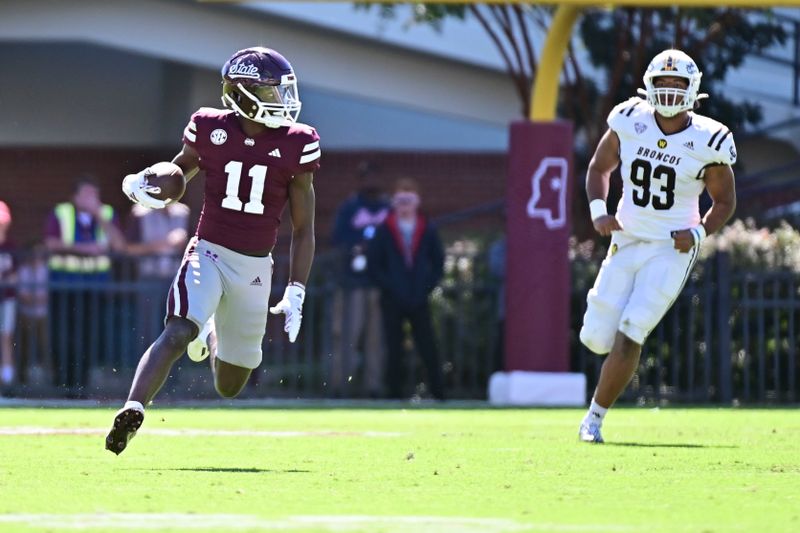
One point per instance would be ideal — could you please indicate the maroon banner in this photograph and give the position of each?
(540, 178)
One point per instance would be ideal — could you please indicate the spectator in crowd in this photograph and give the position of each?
(497, 269)
(7, 298)
(406, 261)
(356, 303)
(79, 236)
(33, 301)
(156, 239)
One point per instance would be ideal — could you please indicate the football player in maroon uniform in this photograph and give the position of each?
(256, 156)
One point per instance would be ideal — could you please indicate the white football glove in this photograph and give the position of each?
(136, 188)
(292, 306)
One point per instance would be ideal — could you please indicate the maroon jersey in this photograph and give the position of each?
(247, 178)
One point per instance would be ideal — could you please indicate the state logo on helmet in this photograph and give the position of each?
(259, 84)
(669, 101)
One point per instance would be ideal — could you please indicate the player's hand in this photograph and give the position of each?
(292, 306)
(135, 187)
(605, 224)
(684, 240)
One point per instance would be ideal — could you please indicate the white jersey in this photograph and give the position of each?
(662, 175)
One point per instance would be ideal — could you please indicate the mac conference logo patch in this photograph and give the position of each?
(662, 143)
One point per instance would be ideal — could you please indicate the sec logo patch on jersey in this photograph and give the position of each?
(219, 136)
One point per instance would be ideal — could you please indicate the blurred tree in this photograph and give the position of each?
(608, 55)
(616, 45)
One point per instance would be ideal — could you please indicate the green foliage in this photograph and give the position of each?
(756, 249)
(421, 13)
(751, 248)
(619, 43)
(718, 39)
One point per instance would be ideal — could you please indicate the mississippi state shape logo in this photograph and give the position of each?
(549, 192)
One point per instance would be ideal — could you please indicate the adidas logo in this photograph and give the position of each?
(256, 281)
(689, 145)
(275, 153)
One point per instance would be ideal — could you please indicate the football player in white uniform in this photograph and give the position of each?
(667, 155)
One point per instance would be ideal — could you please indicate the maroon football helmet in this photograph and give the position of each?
(259, 84)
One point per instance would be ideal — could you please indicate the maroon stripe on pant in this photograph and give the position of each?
(182, 294)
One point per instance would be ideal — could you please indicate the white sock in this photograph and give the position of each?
(134, 404)
(7, 375)
(596, 413)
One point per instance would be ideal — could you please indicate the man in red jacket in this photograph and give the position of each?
(406, 260)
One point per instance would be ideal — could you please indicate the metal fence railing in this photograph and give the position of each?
(731, 336)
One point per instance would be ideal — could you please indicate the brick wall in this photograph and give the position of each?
(33, 180)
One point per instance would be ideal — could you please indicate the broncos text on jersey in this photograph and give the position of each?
(662, 174)
(247, 178)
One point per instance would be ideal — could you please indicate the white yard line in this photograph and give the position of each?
(333, 523)
(35, 430)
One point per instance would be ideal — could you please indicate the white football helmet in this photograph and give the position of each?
(669, 101)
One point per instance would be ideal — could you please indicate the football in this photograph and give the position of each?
(168, 178)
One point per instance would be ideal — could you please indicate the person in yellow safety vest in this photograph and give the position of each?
(80, 233)
(79, 236)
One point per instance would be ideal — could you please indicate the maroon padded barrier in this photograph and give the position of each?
(539, 189)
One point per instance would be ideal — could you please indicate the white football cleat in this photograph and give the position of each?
(198, 349)
(590, 432)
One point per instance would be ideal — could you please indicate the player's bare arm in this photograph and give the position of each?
(189, 161)
(721, 188)
(598, 178)
(301, 210)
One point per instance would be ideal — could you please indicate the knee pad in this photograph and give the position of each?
(597, 339)
(600, 324)
(634, 332)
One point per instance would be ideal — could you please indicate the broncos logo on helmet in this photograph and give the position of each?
(259, 84)
(669, 65)
(669, 101)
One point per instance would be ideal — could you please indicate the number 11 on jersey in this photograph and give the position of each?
(231, 201)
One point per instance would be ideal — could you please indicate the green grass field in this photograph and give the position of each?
(391, 470)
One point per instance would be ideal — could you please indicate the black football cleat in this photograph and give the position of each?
(127, 422)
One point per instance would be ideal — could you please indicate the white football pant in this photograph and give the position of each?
(636, 285)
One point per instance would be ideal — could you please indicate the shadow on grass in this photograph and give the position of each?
(233, 470)
(657, 445)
